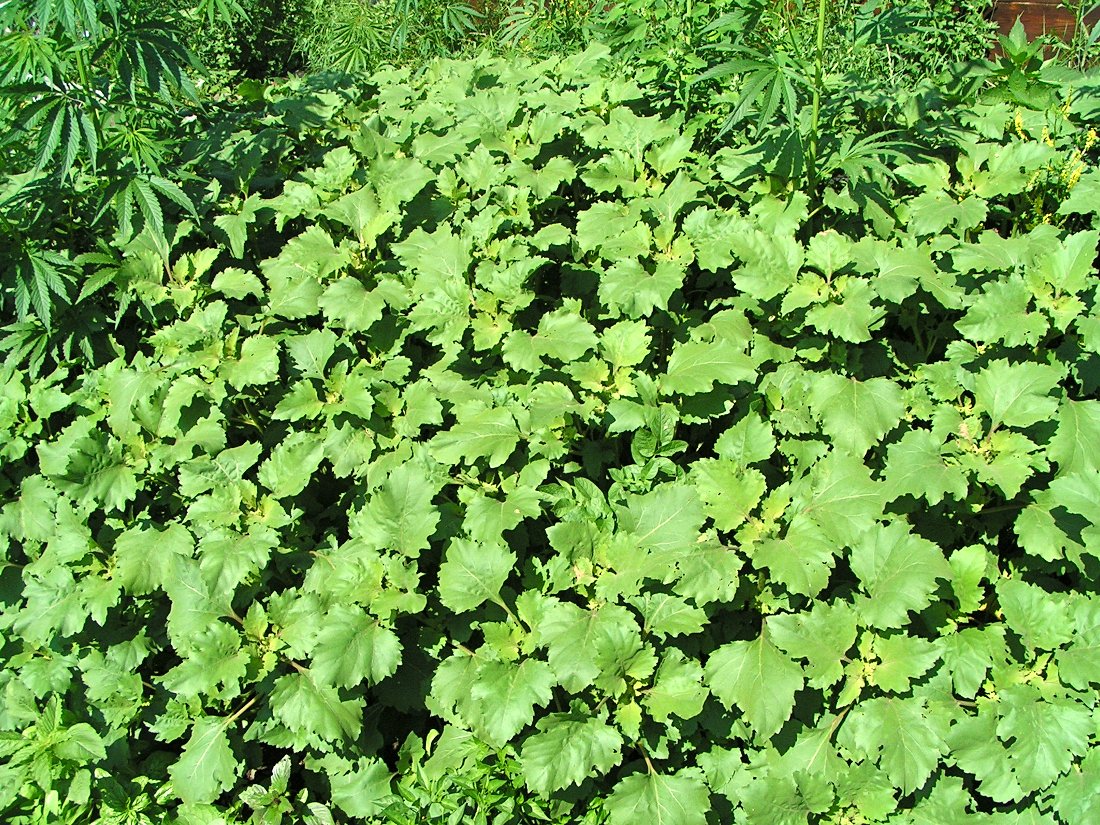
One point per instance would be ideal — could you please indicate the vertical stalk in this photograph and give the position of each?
(819, 71)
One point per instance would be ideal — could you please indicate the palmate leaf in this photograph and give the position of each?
(227, 11)
(150, 59)
(42, 281)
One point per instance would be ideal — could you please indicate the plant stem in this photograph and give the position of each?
(819, 71)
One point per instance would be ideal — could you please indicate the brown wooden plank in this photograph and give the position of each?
(1039, 17)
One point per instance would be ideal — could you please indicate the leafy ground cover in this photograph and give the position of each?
(484, 444)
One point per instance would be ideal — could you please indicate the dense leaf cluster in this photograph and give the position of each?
(480, 430)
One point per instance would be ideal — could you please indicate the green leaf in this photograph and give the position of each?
(696, 366)
(662, 800)
(226, 469)
(856, 414)
(823, 637)
(1073, 446)
(361, 792)
(667, 615)
(1078, 792)
(916, 466)
(216, 660)
(728, 492)
(567, 749)
(758, 679)
(1001, 312)
(801, 560)
(207, 765)
(677, 688)
(1044, 734)
(787, 800)
(630, 289)
(81, 744)
(1016, 395)
(236, 226)
(194, 606)
(291, 465)
(709, 573)
(577, 639)
(258, 363)
(400, 514)
(970, 653)
(352, 648)
(1040, 620)
(904, 738)
(608, 227)
(316, 712)
(668, 519)
(564, 335)
(347, 304)
(1069, 269)
(898, 572)
(901, 660)
(749, 441)
(311, 352)
(143, 556)
(496, 699)
(473, 574)
(361, 212)
(490, 434)
(841, 497)
(1079, 665)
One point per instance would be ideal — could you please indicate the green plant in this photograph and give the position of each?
(1083, 48)
(350, 35)
(489, 452)
(97, 98)
(259, 40)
